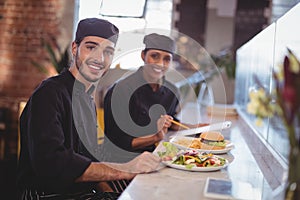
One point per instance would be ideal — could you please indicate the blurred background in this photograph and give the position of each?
(35, 37)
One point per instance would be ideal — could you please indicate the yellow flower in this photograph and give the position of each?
(261, 93)
(294, 64)
(279, 72)
(260, 105)
(259, 121)
(263, 111)
(252, 95)
(252, 108)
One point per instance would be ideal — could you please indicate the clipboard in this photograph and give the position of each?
(211, 127)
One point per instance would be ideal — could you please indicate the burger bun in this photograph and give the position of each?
(212, 136)
(212, 140)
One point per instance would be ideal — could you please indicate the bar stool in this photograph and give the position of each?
(205, 96)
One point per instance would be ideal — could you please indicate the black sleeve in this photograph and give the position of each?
(175, 105)
(111, 129)
(47, 135)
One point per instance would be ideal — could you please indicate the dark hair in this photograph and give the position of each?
(147, 49)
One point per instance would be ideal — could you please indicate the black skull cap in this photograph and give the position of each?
(160, 42)
(96, 27)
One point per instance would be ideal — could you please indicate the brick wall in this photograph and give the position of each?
(23, 24)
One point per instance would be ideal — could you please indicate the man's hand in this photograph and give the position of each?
(144, 163)
(105, 171)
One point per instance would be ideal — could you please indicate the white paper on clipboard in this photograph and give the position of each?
(211, 127)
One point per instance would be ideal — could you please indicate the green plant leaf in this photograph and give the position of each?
(58, 59)
(39, 67)
(51, 54)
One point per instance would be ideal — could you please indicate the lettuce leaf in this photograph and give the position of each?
(220, 144)
(171, 150)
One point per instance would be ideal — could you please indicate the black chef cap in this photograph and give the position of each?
(96, 27)
(160, 42)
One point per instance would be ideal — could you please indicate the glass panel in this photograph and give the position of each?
(287, 36)
(254, 67)
(258, 58)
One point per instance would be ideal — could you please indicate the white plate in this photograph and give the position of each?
(195, 169)
(211, 127)
(174, 140)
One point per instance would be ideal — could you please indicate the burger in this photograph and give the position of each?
(212, 140)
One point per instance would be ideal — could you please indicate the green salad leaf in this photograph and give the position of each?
(171, 150)
(220, 144)
(189, 166)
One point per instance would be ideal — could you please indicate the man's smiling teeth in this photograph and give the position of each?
(95, 67)
(157, 70)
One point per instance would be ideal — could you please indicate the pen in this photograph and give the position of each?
(179, 124)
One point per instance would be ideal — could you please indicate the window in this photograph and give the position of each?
(128, 8)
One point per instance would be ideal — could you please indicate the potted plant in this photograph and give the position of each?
(59, 58)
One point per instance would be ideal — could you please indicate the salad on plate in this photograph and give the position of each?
(190, 159)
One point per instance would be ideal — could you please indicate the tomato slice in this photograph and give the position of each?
(199, 164)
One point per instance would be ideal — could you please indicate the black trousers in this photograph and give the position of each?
(29, 194)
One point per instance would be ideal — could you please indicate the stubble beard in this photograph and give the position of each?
(79, 65)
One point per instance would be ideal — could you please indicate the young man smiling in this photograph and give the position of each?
(59, 156)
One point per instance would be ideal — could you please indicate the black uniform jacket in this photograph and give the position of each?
(58, 136)
(132, 108)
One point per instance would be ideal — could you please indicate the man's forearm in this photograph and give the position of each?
(103, 172)
(144, 163)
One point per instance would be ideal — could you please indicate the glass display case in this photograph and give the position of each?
(255, 62)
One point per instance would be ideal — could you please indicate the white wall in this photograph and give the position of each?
(219, 31)
(219, 35)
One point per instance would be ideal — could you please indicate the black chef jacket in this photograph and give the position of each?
(58, 136)
(132, 108)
